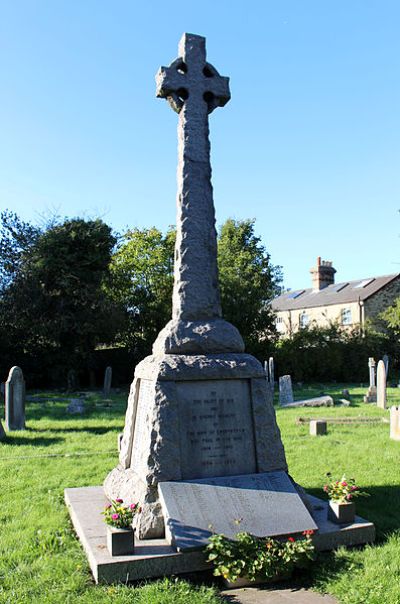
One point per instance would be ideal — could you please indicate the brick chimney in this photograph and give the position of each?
(323, 274)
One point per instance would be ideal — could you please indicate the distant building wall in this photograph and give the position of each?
(348, 315)
(385, 297)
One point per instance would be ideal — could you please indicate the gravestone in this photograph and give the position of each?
(285, 390)
(15, 400)
(199, 406)
(395, 423)
(76, 406)
(107, 382)
(370, 397)
(271, 372)
(71, 380)
(385, 360)
(381, 386)
(318, 427)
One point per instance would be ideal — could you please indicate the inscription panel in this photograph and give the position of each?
(264, 504)
(141, 435)
(216, 428)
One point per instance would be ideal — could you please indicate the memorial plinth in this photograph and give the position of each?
(199, 406)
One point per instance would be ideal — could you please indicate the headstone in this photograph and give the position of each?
(71, 380)
(385, 360)
(107, 382)
(395, 423)
(199, 407)
(271, 372)
(260, 504)
(76, 406)
(381, 386)
(285, 390)
(15, 400)
(318, 427)
(319, 401)
(370, 397)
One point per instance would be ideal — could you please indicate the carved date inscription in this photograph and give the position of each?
(216, 428)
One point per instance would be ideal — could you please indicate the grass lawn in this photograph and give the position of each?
(42, 561)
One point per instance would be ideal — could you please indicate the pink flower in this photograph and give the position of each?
(115, 516)
(326, 488)
(349, 497)
(133, 506)
(344, 484)
(119, 500)
(354, 488)
(108, 506)
(291, 539)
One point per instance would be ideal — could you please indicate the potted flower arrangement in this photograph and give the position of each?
(120, 532)
(249, 559)
(341, 494)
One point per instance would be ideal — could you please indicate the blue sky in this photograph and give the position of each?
(309, 144)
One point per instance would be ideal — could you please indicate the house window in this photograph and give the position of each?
(346, 316)
(304, 320)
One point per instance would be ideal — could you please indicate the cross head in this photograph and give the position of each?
(191, 80)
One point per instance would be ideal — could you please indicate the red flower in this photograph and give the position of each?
(291, 539)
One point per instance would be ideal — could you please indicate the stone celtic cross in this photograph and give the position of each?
(194, 89)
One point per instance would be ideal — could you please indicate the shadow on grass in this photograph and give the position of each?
(380, 507)
(91, 429)
(33, 441)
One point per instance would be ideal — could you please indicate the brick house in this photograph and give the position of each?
(349, 303)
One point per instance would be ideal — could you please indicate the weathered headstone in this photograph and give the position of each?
(199, 406)
(15, 400)
(370, 397)
(395, 423)
(76, 406)
(285, 390)
(107, 382)
(71, 380)
(318, 427)
(319, 401)
(381, 386)
(271, 372)
(385, 360)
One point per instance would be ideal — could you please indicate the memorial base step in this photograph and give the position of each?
(155, 558)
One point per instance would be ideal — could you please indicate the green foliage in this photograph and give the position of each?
(391, 316)
(248, 282)
(142, 280)
(54, 309)
(16, 240)
(330, 353)
(257, 558)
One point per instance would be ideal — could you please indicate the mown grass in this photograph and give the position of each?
(42, 561)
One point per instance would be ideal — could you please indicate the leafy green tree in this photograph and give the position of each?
(142, 272)
(55, 308)
(391, 316)
(16, 239)
(248, 282)
(142, 280)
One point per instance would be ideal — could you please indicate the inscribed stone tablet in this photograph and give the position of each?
(142, 424)
(217, 437)
(262, 504)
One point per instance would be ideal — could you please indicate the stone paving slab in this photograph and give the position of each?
(254, 595)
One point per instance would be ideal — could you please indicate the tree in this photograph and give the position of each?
(16, 239)
(142, 277)
(248, 282)
(54, 305)
(142, 270)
